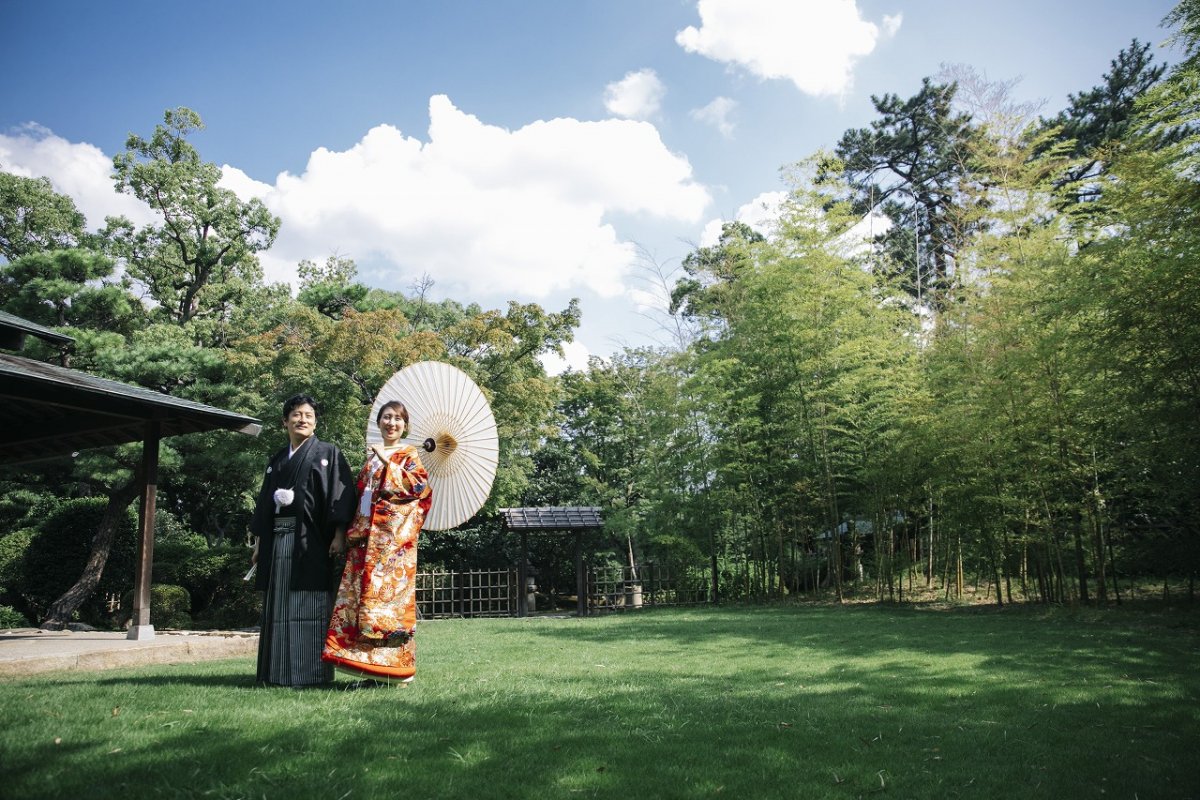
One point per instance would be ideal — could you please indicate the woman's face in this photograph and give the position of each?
(391, 426)
(300, 423)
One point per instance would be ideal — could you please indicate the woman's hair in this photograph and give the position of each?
(401, 411)
(295, 401)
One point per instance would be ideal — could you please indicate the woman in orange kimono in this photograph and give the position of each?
(375, 614)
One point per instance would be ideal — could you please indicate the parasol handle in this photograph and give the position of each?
(429, 444)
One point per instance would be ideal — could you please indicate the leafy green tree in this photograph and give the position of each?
(792, 406)
(912, 163)
(711, 275)
(199, 260)
(605, 424)
(332, 288)
(1007, 408)
(73, 290)
(68, 289)
(501, 350)
(820, 357)
(199, 271)
(1101, 117)
(35, 218)
(61, 549)
(1135, 291)
(1185, 17)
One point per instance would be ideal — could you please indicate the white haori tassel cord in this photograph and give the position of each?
(283, 497)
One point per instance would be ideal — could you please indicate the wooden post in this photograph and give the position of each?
(523, 576)
(141, 627)
(715, 580)
(580, 577)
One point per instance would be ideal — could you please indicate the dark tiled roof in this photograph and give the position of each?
(13, 330)
(51, 411)
(552, 518)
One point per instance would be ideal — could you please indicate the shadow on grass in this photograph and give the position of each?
(737, 702)
(1021, 640)
(188, 674)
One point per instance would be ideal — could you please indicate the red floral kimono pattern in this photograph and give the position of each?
(375, 614)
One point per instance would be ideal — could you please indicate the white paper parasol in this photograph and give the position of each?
(452, 424)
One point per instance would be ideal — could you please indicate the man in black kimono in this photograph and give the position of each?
(299, 525)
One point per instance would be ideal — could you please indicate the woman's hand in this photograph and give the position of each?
(338, 546)
(254, 552)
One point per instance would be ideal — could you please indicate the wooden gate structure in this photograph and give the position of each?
(553, 519)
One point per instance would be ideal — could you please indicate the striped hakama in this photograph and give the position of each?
(294, 622)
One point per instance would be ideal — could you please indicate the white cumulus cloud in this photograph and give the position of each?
(761, 214)
(858, 241)
(575, 356)
(764, 212)
(79, 170)
(812, 44)
(479, 208)
(636, 96)
(482, 210)
(717, 114)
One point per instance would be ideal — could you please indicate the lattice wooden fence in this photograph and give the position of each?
(473, 593)
(649, 585)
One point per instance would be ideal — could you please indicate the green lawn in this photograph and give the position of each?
(786, 701)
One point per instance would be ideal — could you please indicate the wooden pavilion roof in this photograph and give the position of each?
(51, 411)
(552, 518)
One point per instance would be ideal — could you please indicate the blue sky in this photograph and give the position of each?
(530, 150)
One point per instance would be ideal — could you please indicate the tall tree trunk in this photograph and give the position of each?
(1054, 541)
(716, 575)
(1080, 560)
(763, 565)
(946, 565)
(62, 609)
(1005, 565)
(913, 558)
(998, 569)
(1023, 573)
(781, 567)
(958, 561)
(1043, 589)
(891, 564)
(1098, 548)
(1096, 513)
(1112, 563)
(929, 549)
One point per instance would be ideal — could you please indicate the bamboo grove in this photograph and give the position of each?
(966, 354)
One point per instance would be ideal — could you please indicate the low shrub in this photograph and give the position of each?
(170, 606)
(59, 551)
(12, 555)
(11, 618)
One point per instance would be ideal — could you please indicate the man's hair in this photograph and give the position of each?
(295, 401)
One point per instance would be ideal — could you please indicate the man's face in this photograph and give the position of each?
(301, 422)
